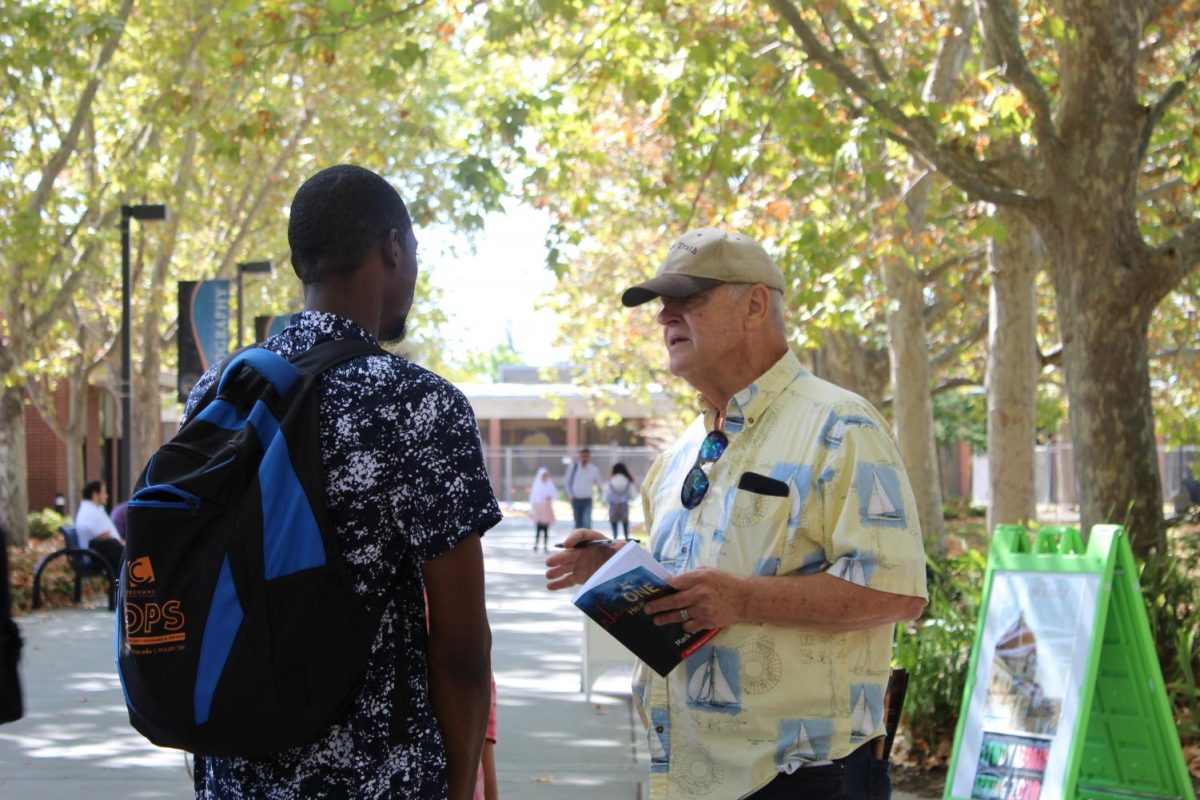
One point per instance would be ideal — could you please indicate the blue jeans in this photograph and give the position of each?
(858, 776)
(583, 512)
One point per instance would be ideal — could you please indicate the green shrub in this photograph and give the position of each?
(961, 508)
(1171, 592)
(936, 651)
(44, 524)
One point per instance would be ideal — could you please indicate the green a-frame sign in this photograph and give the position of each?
(1064, 696)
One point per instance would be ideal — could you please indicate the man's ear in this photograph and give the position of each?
(393, 249)
(758, 305)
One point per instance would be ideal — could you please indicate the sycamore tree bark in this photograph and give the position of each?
(14, 497)
(846, 360)
(1078, 188)
(1012, 372)
(912, 403)
(908, 344)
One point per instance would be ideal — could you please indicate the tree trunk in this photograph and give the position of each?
(1105, 280)
(1105, 346)
(908, 345)
(1012, 370)
(845, 360)
(147, 409)
(14, 493)
(912, 403)
(73, 436)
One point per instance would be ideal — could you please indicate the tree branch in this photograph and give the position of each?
(918, 134)
(1006, 34)
(945, 386)
(954, 349)
(390, 15)
(1178, 352)
(934, 273)
(67, 146)
(712, 163)
(1053, 358)
(1176, 257)
(864, 38)
(248, 217)
(1174, 91)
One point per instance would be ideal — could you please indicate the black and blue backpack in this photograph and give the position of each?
(238, 630)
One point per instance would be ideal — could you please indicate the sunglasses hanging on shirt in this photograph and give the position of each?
(695, 483)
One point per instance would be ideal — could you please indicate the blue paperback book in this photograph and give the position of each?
(615, 597)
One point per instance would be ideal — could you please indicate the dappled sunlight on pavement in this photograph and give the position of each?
(555, 742)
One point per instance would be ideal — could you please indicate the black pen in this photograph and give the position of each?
(594, 543)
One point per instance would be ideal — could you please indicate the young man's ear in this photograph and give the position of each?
(393, 249)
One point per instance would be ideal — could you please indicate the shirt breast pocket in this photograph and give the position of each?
(758, 523)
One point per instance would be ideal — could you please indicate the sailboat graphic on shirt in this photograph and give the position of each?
(880, 506)
(851, 569)
(802, 745)
(880, 498)
(867, 710)
(803, 741)
(710, 683)
(860, 718)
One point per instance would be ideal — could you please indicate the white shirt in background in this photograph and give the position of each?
(91, 520)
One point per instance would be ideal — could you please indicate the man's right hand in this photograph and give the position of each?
(573, 566)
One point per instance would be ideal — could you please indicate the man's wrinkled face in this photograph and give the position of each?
(700, 332)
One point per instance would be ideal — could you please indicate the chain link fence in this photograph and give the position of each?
(512, 469)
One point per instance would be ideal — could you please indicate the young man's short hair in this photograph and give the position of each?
(91, 489)
(336, 216)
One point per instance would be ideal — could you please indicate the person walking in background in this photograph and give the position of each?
(786, 518)
(410, 498)
(542, 495)
(617, 493)
(583, 477)
(95, 528)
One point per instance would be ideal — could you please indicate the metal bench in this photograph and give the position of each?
(84, 561)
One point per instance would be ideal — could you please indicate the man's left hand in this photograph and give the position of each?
(707, 598)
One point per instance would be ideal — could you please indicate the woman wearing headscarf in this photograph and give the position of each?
(618, 492)
(542, 495)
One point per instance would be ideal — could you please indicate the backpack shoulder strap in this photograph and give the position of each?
(211, 392)
(328, 354)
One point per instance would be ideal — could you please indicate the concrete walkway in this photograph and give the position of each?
(75, 740)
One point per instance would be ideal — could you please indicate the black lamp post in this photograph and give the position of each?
(247, 266)
(145, 213)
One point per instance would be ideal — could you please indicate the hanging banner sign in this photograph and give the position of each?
(203, 337)
(267, 326)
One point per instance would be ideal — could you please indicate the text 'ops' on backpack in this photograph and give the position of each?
(238, 630)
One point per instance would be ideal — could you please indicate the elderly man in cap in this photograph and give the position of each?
(787, 520)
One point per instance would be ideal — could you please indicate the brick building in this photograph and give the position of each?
(46, 454)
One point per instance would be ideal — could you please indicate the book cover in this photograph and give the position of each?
(615, 597)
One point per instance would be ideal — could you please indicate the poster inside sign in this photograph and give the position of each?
(1025, 700)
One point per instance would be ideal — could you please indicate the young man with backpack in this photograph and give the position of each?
(408, 496)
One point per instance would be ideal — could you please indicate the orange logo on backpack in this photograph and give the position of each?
(140, 571)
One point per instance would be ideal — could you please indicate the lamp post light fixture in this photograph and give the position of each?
(143, 213)
(247, 266)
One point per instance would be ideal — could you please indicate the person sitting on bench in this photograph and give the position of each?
(94, 527)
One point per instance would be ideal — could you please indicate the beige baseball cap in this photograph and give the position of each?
(702, 259)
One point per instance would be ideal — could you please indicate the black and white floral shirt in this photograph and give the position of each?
(406, 483)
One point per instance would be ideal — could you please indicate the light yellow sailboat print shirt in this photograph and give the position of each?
(830, 495)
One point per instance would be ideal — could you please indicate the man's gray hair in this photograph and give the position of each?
(774, 303)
